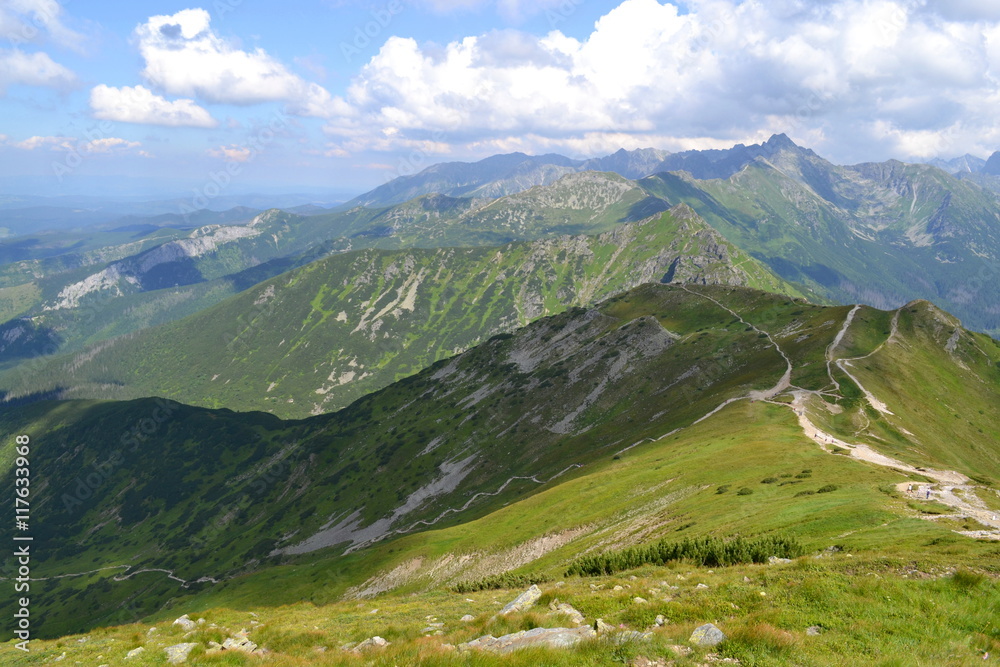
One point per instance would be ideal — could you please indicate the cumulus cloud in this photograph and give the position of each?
(28, 23)
(855, 77)
(108, 145)
(139, 105)
(71, 144)
(32, 69)
(232, 153)
(185, 57)
(54, 143)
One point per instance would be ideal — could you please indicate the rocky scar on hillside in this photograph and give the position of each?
(329, 333)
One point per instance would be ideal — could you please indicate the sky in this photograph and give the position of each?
(207, 96)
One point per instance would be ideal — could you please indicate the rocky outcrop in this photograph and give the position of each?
(551, 637)
(522, 601)
(567, 610)
(375, 642)
(178, 653)
(241, 642)
(186, 623)
(707, 635)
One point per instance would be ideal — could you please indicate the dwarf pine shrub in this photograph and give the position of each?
(706, 551)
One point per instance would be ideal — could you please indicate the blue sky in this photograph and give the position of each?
(158, 97)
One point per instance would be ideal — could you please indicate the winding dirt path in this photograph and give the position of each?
(836, 343)
(952, 488)
(757, 395)
(967, 504)
(127, 575)
(948, 481)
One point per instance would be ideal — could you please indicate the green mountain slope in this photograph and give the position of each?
(81, 296)
(78, 297)
(877, 233)
(880, 233)
(502, 175)
(582, 432)
(576, 203)
(324, 335)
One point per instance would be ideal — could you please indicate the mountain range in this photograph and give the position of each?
(336, 425)
(318, 338)
(880, 234)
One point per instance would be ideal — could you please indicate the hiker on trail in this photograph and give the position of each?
(909, 488)
(928, 492)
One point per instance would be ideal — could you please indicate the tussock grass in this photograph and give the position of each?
(868, 608)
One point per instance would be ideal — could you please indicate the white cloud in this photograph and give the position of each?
(184, 56)
(27, 21)
(55, 143)
(32, 69)
(108, 145)
(858, 76)
(139, 105)
(71, 144)
(231, 153)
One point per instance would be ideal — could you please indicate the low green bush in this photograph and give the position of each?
(708, 551)
(506, 580)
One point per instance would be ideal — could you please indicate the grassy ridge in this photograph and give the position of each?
(599, 394)
(858, 612)
(317, 338)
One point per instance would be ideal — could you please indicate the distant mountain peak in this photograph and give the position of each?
(780, 141)
(992, 165)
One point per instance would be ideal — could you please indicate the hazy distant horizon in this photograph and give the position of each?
(158, 97)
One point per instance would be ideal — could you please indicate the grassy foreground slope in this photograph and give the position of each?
(886, 563)
(584, 432)
(317, 338)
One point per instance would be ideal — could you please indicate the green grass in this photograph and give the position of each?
(16, 299)
(866, 609)
(212, 493)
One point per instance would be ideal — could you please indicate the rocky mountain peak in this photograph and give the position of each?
(992, 165)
